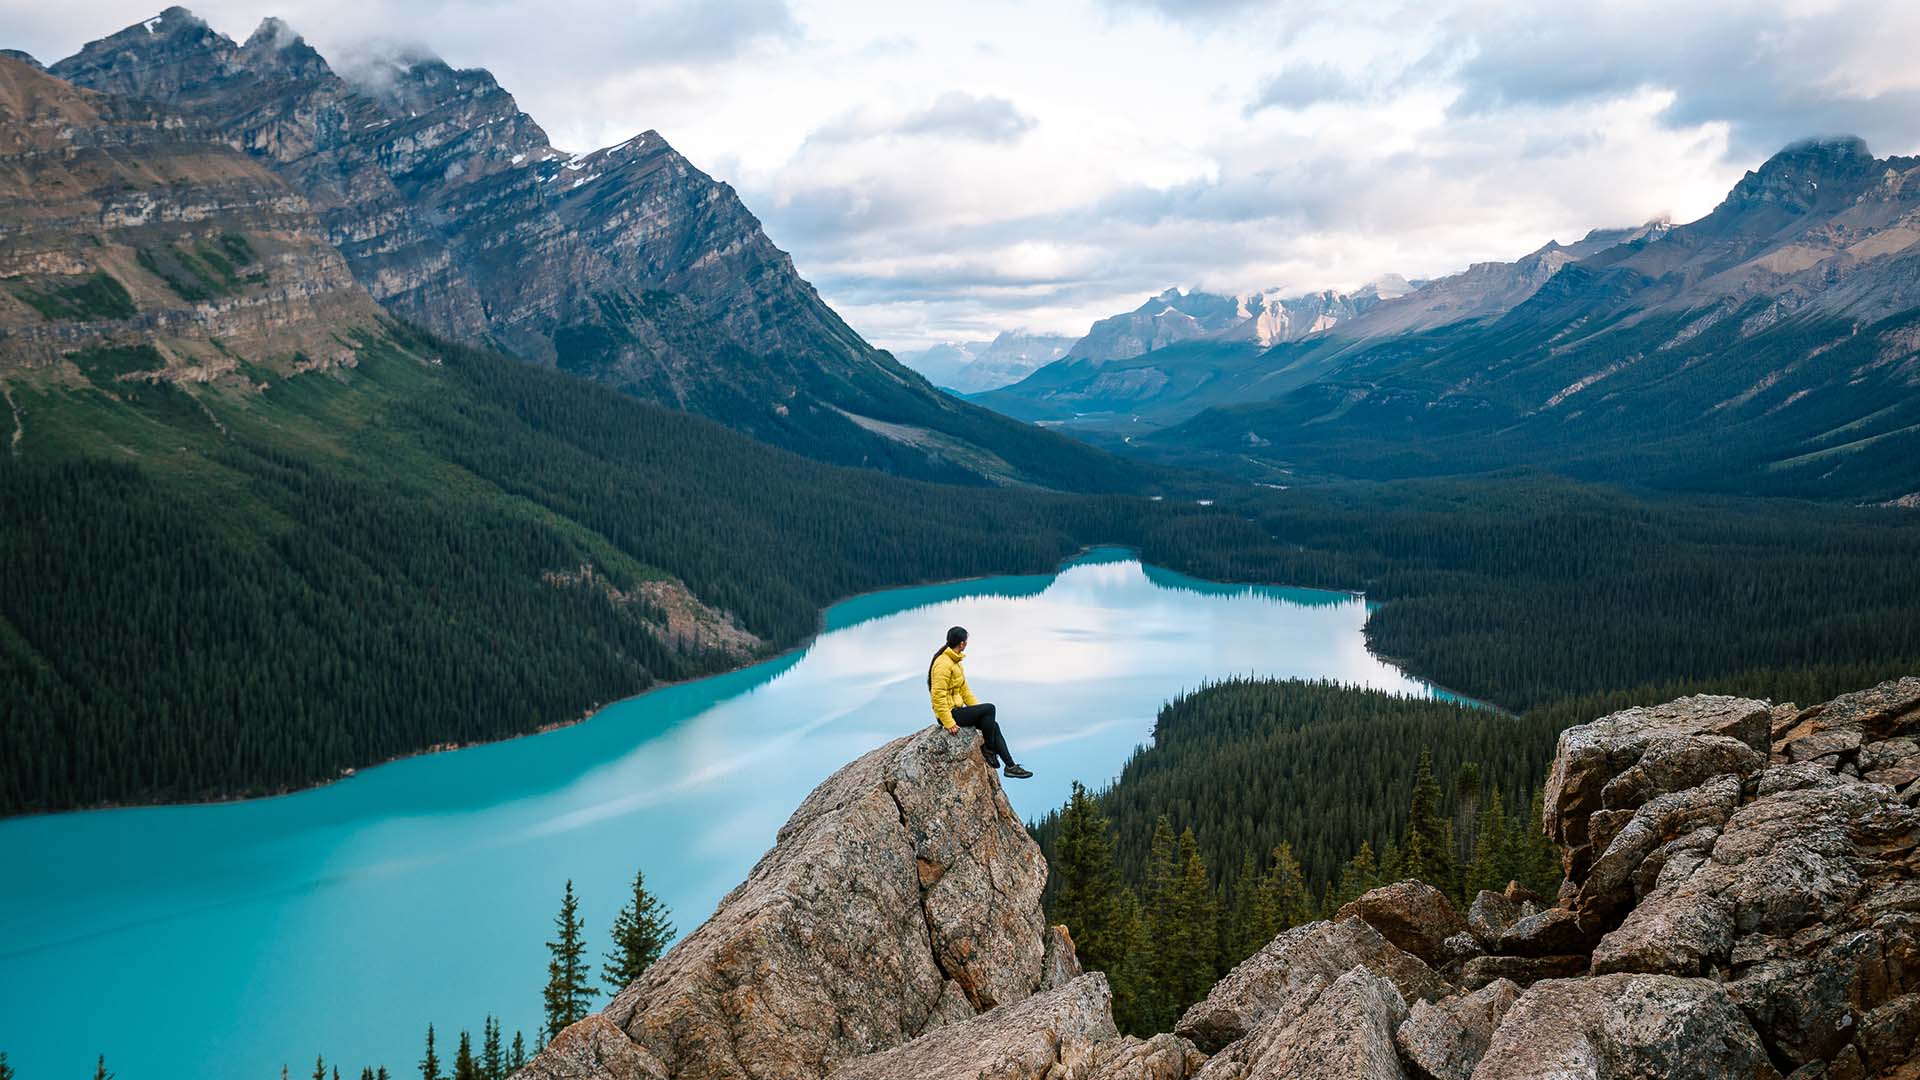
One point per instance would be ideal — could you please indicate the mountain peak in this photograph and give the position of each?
(1795, 176)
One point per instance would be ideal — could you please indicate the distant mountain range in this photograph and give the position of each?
(448, 207)
(1771, 346)
(970, 367)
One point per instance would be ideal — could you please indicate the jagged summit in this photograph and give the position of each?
(627, 265)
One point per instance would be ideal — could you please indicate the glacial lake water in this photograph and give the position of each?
(221, 941)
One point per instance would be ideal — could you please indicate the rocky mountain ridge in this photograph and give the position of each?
(138, 241)
(1740, 900)
(626, 265)
(971, 367)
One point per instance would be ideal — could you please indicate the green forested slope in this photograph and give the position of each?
(210, 591)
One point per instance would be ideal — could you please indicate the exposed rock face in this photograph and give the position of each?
(626, 265)
(1735, 916)
(1345, 1031)
(1445, 1040)
(1063, 1034)
(1285, 977)
(129, 224)
(1624, 1027)
(1415, 916)
(902, 895)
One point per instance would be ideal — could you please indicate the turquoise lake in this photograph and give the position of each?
(222, 941)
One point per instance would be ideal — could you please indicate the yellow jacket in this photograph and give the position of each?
(949, 687)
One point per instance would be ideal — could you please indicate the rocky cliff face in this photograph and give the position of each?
(626, 265)
(130, 225)
(1741, 901)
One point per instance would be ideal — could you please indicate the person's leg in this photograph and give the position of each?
(982, 716)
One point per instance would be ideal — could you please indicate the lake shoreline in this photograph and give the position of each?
(820, 625)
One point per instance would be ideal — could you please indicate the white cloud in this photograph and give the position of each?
(947, 171)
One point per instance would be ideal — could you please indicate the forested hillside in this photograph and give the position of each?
(212, 590)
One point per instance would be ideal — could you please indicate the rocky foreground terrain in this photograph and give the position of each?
(1741, 901)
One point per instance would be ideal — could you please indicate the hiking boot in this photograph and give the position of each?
(1016, 772)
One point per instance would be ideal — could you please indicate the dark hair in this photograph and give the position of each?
(955, 635)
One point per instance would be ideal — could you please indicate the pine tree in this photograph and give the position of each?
(1161, 918)
(1425, 848)
(1087, 890)
(493, 1061)
(430, 1064)
(1360, 874)
(1240, 936)
(366, 1072)
(319, 1068)
(567, 995)
(1132, 999)
(1466, 810)
(1282, 901)
(517, 1058)
(1534, 858)
(464, 1066)
(640, 933)
(6, 1070)
(1490, 868)
(381, 1074)
(1185, 943)
(100, 1069)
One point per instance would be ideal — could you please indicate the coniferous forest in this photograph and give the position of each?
(391, 559)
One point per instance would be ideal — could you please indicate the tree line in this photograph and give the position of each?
(1166, 927)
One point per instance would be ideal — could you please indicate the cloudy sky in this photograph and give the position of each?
(948, 171)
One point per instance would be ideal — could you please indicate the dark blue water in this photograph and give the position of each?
(222, 941)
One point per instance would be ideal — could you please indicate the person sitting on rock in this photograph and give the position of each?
(955, 706)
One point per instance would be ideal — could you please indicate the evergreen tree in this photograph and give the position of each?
(430, 1063)
(381, 1074)
(1132, 1000)
(1283, 901)
(568, 994)
(1534, 857)
(366, 1072)
(1360, 874)
(1240, 934)
(1161, 918)
(493, 1060)
(1490, 867)
(1184, 927)
(517, 1058)
(100, 1069)
(640, 933)
(1466, 810)
(319, 1068)
(1425, 848)
(464, 1065)
(1087, 894)
(6, 1071)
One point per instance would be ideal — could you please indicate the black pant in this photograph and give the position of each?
(981, 716)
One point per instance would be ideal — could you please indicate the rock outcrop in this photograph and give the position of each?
(1741, 901)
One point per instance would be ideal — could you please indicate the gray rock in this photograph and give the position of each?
(1445, 1040)
(1522, 970)
(1677, 762)
(1346, 1032)
(1050, 1036)
(1590, 756)
(1624, 1027)
(593, 1049)
(1609, 884)
(1890, 1034)
(1554, 932)
(1490, 914)
(1060, 963)
(1163, 1057)
(1289, 973)
(1415, 916)
(902, 895)
(1894, 762)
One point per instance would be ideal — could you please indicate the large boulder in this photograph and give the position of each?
(1291, 971)
(1415, 916)
(1345, 1033)
(1625, 1027)
(1445, 1040)
(1591, 756)
(902, 895)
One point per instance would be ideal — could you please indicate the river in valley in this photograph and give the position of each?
(221, 941)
